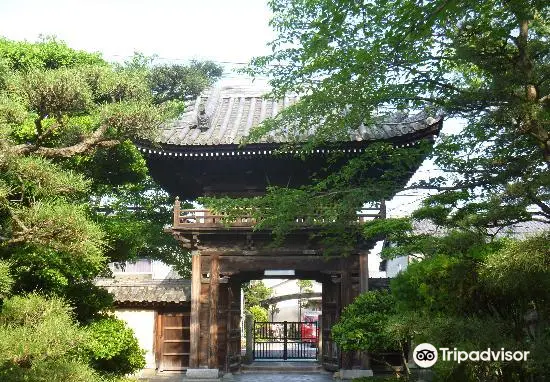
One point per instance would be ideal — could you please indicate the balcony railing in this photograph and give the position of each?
(203, 218)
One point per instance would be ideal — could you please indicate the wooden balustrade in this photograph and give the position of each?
(203, 218)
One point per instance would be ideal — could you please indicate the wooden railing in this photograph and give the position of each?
(203, 218)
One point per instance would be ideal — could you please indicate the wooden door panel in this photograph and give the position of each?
(173, 341)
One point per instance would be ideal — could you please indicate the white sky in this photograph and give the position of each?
(219, 30)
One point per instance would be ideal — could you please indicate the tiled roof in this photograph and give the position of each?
(128, 290)
(516, 231)
(225, 114)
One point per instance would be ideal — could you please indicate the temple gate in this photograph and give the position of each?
(200, 155)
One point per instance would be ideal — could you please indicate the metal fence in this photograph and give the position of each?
(285, 340)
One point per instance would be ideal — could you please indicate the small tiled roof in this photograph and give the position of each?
(517, 231)
(147, 291)
(223, 115)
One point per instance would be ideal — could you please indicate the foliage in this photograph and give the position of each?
(306, 286)
(358, 63)
(331, 203)
(113, 347)
(490, 298)
(361, 325)
(484, 62)
(74, 191)
(6, 281)
(39, 341)
(259, 313)
(181, 82)
(48, 53)
(472, 300)
(255, 292)
(75, 194)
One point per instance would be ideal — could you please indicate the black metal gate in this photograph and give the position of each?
(286, 340)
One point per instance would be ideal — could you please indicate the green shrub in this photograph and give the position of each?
(259, 313)
(40, 342)
(6, 281)
(113, 348)
(363, 322)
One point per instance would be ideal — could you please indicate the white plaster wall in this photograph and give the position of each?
(374, 260)
(288, 311)
(162, 271)
(143, 324)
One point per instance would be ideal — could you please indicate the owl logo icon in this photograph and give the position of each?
(425, 355)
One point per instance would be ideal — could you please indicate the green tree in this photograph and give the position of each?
(74, 195)
(355, 63)
(486, 63)
(181, 82)
(259, 313)
(363, 326)
(41, 341)
(473, 294)
(255, 292)
(305, 286)
(74, 190)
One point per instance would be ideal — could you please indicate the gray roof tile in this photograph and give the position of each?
(127, 290)
(518, 231)
(232, 111)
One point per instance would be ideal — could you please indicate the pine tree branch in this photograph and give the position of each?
(96, 139)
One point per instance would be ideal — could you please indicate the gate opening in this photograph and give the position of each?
(286, 340)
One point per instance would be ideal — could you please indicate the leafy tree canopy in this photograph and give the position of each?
(74, 190)
(255, 292)
(357, 62)
(485, 63)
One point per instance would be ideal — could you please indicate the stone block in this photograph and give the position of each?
(198, 374)
(348, 374)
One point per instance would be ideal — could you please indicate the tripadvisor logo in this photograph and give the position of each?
(426, 355)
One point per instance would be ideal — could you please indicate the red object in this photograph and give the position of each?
(309, 330)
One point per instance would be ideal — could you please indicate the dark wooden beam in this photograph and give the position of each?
(306, 263)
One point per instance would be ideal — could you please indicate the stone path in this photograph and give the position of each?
(264, 371)
(255, 377)
(282, 377)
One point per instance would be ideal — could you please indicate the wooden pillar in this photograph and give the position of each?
(383, 210)
(364, 272)
(214, 298)
(195, 331)
(345, 300)
(177, 212)
(364, 287)
(228, 324)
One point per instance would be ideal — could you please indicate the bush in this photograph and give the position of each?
(40, 342)
(6, 281)
(259, 313)
(113, 348)
(363, 322)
